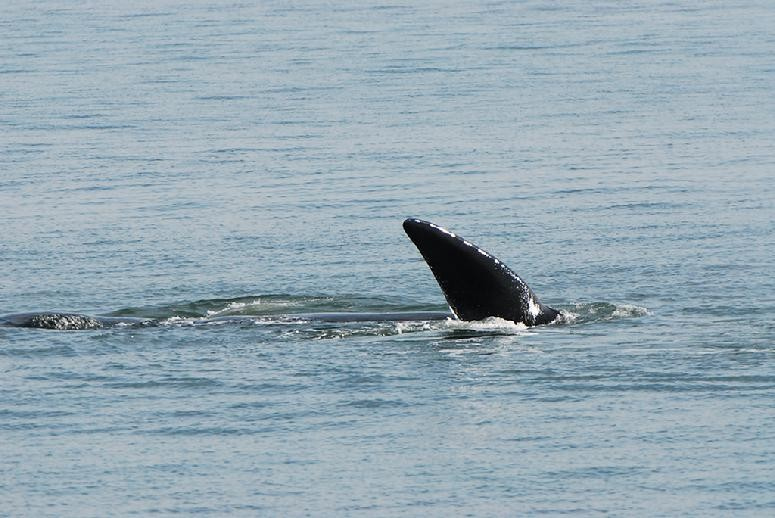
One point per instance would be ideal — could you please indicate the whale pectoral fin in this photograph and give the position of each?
(476, 284)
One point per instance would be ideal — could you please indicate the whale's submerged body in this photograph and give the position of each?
(476, 285)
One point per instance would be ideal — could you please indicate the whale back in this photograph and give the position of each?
(476, 284)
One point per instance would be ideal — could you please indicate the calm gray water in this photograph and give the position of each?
(178, 160)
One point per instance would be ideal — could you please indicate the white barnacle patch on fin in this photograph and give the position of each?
(484, 253)
(442, 230)
(532, 307)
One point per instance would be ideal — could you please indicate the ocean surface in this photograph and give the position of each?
(182, 160)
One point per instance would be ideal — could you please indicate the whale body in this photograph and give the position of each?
(476, 285)
(79, 321)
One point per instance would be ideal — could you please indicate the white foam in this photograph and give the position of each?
(532, 307)
(629, 310)
(264, 305)
(488, 324)
(401, 327)
(566, 317)
(232, 306)
(181, 321)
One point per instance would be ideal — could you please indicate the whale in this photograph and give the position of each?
(475, 284)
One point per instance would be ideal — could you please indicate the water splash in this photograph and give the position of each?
(582, 313)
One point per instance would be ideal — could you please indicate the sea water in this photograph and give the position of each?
(179, 160)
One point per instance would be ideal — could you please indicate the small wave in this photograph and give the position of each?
(372, 404)
(628, 310)
(599, 311)
(365, 330)
(488, 325)
(177, 321)
(566, 317)
(260, 304)
(184, 381)
(267, 305)
(36, 351)
(272, 305)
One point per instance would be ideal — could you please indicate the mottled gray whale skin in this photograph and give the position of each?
(65, 320)
(475, 283)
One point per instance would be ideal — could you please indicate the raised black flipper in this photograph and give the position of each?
(475, 284)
